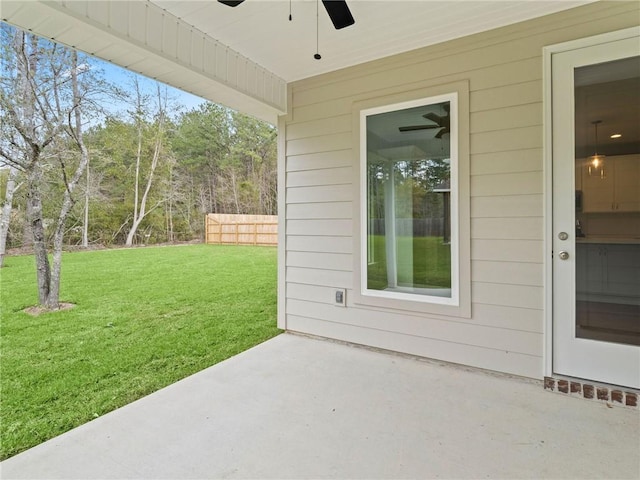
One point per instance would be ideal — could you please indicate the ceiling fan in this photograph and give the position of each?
(338, 11)
(443, 122)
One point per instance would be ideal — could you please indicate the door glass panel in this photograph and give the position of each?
(607, 184)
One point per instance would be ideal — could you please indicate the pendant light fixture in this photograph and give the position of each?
(596, 161)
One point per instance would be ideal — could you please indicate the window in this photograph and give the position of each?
(409, 207)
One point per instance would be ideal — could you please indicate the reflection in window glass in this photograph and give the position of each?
(409, 228)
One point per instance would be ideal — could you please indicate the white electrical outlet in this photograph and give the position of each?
(340, 297)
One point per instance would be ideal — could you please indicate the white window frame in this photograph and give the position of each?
(412, 304)
(454, 299)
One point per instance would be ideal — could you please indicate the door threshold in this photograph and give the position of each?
(611, 395)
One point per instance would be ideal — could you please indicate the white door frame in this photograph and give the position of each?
(548, 178)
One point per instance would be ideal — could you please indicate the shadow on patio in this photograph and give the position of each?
(296, 407)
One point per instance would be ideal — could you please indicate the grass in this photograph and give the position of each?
(431, 263)
(144, 318)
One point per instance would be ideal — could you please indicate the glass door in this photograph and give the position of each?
(596, 209)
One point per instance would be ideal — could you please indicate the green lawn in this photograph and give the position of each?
(430, 265)
(144, 318)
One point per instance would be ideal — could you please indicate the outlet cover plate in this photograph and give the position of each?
(340, 297)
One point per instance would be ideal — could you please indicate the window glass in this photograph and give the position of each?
(409, 173)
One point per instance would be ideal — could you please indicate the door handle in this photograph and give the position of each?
(563, 255)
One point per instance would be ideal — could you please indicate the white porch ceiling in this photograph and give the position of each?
(260, 29)
(243, 57)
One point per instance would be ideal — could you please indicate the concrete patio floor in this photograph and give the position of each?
(297, 407)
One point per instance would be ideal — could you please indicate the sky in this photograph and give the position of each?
(121, 77)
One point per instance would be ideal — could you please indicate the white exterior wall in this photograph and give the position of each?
(504, 69)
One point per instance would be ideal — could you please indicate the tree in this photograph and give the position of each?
(254, 145)
(226, 161)
(44, 99)
(154, 174)
(11, 187)
(201, 146)
(157, 129)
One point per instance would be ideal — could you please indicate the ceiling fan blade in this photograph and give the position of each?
(339, 13)
(442, 132)
(231, 3)
(434, 118)
(413, 128)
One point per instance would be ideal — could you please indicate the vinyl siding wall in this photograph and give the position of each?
(504, 69)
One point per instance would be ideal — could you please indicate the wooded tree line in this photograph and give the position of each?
(109, 164)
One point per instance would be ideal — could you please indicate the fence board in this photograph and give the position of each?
(241, 229)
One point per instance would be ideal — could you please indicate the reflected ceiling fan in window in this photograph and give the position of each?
(338, 11)
(443, 122)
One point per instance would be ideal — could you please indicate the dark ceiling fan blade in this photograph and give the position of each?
(231, 3)
(443, 121)
(413, 128)
(339, 13)
(442, 132)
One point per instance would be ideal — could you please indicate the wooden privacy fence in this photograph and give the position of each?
(230, 229)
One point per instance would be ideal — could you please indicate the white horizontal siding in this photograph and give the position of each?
(309, 243)
(492, 359)
(510, 273)
(317, 276)
(320, 143)
(509, 318)
(497, 316)
(492, 163)
(504, 71)
(526, 183)
(340, 124)
(505, 118)
(333, 227)
(332, 210)
(507, 140)
(492, 77)
(524, 251)
(508, 295)
(327, 176)
(506, 96)
(326, 261)
(511, 228)
(318, 160)
(448, 331)
(507, 206)
(331, 193)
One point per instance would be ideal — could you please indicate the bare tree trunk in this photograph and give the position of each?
(7, 207)
(235, 192)
(141, 212)
(136, 187)
(37, 110)
(34, 210)
(68, 200)
(85, 221)
(28, 68)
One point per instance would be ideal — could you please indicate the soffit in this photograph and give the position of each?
(260, 29)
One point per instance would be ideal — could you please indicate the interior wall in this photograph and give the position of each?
(504, 69)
